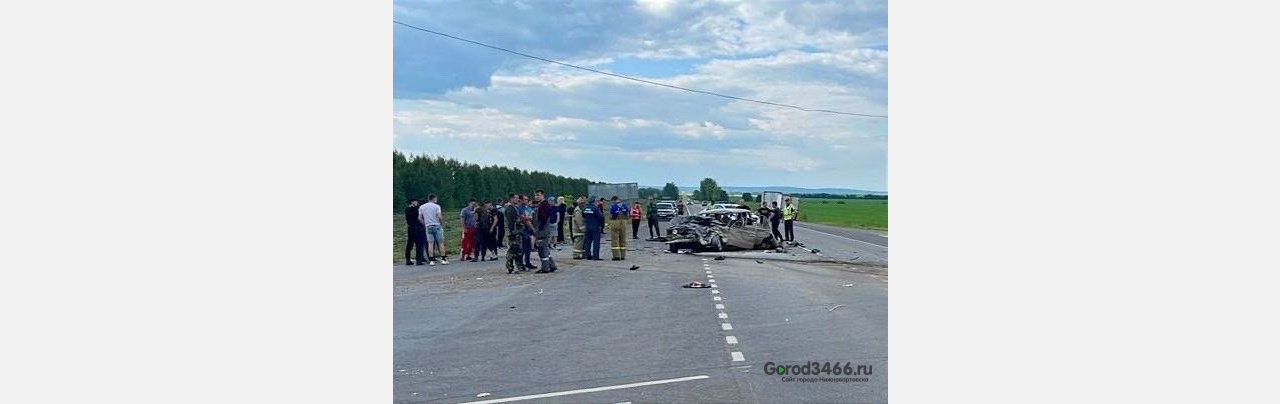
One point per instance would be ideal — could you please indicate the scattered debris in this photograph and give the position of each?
(815, 251)
(512, 307)
(635, 267)
(539, 290)
(482, 395)
(696, 285)
(836, 307)
(719, 258)
(847, 285)
(479, 279)
(759, 262)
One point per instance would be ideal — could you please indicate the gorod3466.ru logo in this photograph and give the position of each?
(815, 368)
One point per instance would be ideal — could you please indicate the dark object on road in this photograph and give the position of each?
(719, 230)
(719, 258)
(815, 251)
(759, 262)
(696, 285)
(634, 267)
(512, 307)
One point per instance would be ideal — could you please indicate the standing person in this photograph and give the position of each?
(680, 208)
(789, 217)
(417, 234)
(593, 225)
(511, 216)
(526, 231)
(499, 217)
(560, 215)
(618, 229)
(553, 220)
(491, 232)
(480, 245)
(635, 221)
(544, 216)
(430, 215)
(576, 226)
(468, 222)
(774, 217)
(651, 213)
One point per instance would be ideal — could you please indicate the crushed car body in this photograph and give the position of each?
(721, 229)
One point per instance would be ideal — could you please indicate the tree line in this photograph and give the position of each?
(841, 196)
(454, 182)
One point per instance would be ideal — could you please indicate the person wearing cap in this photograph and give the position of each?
(618, 214)
(788, 219)
(576, 226)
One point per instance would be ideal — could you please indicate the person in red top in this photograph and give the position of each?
(635, 220)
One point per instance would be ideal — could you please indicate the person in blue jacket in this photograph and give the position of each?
(593, 225)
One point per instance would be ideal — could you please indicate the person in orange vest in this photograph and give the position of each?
(635, 220)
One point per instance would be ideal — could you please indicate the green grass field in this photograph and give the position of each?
(858, 213)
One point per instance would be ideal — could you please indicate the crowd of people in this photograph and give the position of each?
(524, 225)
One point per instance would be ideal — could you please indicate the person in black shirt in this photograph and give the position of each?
(775, 217)
(499, 216)
(417, 234)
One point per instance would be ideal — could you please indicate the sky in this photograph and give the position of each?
(485, 106)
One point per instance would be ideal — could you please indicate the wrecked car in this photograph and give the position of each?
(719, 230)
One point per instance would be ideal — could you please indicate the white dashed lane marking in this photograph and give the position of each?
(722, 315)
(731, 340)
(726, 326)
(719, 307)
(716, 298)
(737, 356)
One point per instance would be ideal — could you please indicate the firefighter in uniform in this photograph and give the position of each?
(618, 215)
(511, 215)
(576, 228)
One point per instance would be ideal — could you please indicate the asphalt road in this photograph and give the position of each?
(597, 332)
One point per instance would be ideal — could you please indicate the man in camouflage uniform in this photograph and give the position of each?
(543, 212)
(511, 215)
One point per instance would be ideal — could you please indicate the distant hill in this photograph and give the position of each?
(786, 190)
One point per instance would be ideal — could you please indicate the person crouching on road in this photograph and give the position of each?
(618, 229)
(576, 227)
(635, 220)
(592, 226)
(544, 215)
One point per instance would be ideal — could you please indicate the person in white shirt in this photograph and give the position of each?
(430, 215)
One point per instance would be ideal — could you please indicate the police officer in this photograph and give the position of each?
(512, 217)
(543, 214)
(788, 220)
(592, 226)
(576, 228)
(618, 214)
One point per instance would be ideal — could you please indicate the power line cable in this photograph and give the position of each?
(637, 79)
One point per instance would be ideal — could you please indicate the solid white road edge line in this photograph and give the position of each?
(590, 390)
(843, 237)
